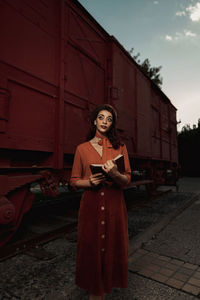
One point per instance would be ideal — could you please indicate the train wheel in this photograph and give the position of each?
(12, 209)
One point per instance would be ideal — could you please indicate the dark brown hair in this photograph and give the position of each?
(112, 133)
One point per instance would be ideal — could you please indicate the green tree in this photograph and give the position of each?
(189, 149)
(152, 72)
(186, 128)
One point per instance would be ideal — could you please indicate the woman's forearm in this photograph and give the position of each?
(83, 183)
(117, 177)
(120, 178)
(92, 181)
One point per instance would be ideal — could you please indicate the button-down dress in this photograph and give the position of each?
(102, 248)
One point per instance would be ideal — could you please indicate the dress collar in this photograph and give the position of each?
(103, 141)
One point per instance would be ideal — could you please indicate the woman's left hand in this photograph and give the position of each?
(110, 168)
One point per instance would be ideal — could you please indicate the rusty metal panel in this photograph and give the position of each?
(144, 116)
(155, 133)
(123, 91)
(155, 99)
(76, 126)
(85, 35)
(85, 74)
(165, 120)
(165, 132)
(27, 110)
(165, 150)
(155, 146)
(84, 78)
(28, 37)
(155, 122)
(169, 132)
(4, 108)
(124, 80)
(85, 58)
(27, 128)
(174, 151)
(173, 132)
(28, 74)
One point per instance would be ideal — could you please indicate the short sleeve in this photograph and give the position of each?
(77, 168)
(127, 164)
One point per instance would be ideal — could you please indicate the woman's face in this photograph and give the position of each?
(103, 121)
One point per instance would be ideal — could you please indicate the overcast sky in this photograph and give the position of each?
(168, 33)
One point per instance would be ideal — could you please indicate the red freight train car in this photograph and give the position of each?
(56, 64)
(147, 119)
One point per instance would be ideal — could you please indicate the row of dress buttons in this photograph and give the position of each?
(103, 223)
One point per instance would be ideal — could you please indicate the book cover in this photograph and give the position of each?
(119, 160)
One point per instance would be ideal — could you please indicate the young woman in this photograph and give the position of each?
(102, 250)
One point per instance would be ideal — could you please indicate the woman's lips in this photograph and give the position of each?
(104, 127)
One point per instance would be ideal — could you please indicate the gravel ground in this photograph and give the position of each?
(140, 288)
(183, 243)
(189, 184)
(26, 278)
(151, 212)
(50, 275)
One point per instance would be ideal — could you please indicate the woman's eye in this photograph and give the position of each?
(109, 119)
(100, 117)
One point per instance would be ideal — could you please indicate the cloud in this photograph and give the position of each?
(155, 2)
(189, 33)
(180, 35)
(194, 12)
(168, 37)
(180, 13)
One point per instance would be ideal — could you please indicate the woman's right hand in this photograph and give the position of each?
(96, 179)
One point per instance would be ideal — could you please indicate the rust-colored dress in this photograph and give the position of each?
(102, 249)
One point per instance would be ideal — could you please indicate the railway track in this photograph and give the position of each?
(47, 220)
(34, 242)
(45, 223)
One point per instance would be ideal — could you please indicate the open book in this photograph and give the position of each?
(119, 160)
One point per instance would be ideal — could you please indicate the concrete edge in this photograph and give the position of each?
(136, 243)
